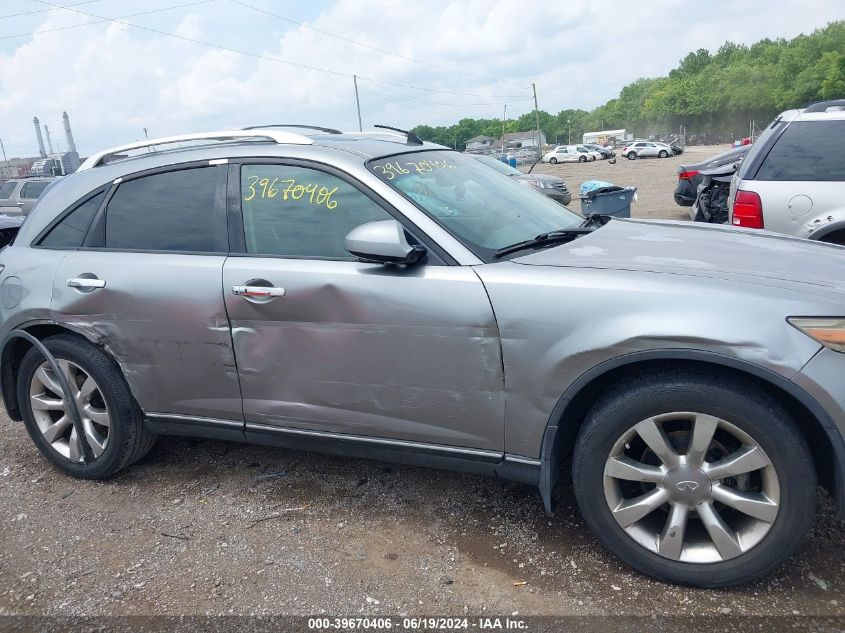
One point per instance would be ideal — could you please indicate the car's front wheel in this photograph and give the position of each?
(694, 479)
(553, 160)
(663, 153)
(582, 159)
(112, 423)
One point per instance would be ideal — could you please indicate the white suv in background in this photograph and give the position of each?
(793, 179)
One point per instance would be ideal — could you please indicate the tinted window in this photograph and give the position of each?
(7, 189)
(70, 232)
(807, 150)
(173, 211)
(301, 212)
(34, 189)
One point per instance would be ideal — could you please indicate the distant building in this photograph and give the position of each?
(519, 140)
(480, 143)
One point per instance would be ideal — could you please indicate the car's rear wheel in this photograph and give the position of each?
(663, 153)
(111, 420)
(582, 159)
(694, 479)
(553, 160)
(631, 155)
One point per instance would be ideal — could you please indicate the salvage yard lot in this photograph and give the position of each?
(654, 178)
(211, 527)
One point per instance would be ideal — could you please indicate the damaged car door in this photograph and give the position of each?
(146, 285)
(326, 344)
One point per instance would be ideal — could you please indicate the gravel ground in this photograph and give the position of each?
(205, 527)
(654, 178)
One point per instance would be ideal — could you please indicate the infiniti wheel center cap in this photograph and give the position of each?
(687, 484)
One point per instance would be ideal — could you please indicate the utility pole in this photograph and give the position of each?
(504, 118)
(145, 132)
(537, 118)
(569, 137)
(5, 160)
(357, 102)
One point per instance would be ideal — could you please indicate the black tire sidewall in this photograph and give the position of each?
(553, 161)
(771, 428)
(124, 414)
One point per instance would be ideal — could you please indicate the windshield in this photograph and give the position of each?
(479, 207)
(499, 166)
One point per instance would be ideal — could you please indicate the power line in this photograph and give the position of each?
(278, 60)
(370, 46)
(100, 21)
(410, 98)
(15, 15)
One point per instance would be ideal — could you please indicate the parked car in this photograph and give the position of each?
(604, 151)
(9, 225)
(646, 149)
(389, 298)
(569, 154)
(689, 176)
(18, 195)
(793, 179)
(551, 186)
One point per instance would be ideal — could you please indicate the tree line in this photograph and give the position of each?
(709, 93)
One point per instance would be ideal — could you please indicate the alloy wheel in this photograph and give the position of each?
(691, 487)
(50, 410)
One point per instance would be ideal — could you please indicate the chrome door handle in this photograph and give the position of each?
(86, 283)
(258, 292)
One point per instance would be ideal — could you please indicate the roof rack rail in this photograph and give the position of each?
(822, 106)
(327, 130)
(99, 158)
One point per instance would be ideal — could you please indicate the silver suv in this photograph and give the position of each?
(374, 295)
(793, 179)
(18, 196)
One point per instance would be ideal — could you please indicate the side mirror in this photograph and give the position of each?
(382, 242)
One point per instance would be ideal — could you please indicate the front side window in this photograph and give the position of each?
(291, 211)
(172, 211)
(7, 189)
(479, 207)
(807, 150)
(32, 190)
(70, 231)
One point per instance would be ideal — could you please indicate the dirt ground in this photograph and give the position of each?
(654, 178)
(208, 527)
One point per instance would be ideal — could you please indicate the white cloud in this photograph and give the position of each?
(114, 80)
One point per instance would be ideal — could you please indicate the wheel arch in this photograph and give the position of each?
(823, 437)
(14, 350)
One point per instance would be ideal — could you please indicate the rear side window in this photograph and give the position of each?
(7, 189)
(70, 231)
(807, 150)
(172, 211)
(32, 190)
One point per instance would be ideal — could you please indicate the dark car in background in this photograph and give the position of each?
(689, 176)
(606, 152)
(553, 187)
(9, 225)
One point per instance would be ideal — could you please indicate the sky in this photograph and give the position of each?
(178, 66)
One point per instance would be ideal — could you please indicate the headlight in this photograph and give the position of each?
(830, 332)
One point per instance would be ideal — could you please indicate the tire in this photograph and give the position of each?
(663, 154)
(553, 160)
(750, 414)
(124, 439)
(582, 159)
(631, 156)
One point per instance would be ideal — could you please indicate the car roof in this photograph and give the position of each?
(346, 151)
